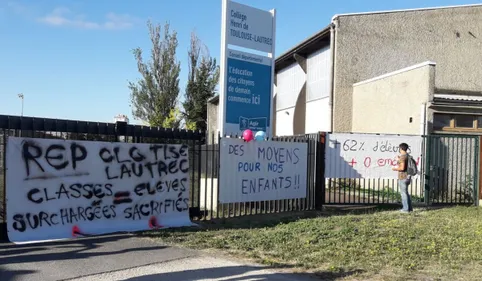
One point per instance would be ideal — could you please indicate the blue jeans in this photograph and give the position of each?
(406, 200)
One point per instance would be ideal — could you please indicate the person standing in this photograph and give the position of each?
(403, 178)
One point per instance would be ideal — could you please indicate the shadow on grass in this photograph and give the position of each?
(333, 276)
(274, 219)
(235, 273)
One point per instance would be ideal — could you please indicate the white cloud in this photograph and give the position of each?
(19, 8)
(64, 17)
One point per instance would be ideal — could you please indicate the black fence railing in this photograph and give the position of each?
(204, 160)
(209, 183)
(450, 166)
(32, 127)
(452, 169)
(449, 175)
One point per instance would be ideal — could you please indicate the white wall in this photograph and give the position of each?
(318, 74)
(317, 91)
(317, 116)
(284, 121)
(290, 81)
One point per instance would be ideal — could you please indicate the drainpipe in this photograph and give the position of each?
(332, 71)
(423, 119)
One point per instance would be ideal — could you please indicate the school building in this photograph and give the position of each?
(396, 72)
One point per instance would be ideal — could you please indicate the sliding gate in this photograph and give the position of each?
(452, 169)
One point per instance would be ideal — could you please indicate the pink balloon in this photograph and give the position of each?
(248, 135)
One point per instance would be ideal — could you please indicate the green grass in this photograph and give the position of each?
(443, 244)
(387, 194)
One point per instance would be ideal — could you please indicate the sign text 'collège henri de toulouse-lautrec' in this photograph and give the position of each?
(262, 171)
(246, 78)
(98, 187)
(239, 28)
(367, 156)
(249, 27)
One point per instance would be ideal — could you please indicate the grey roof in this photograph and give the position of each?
(306, 47)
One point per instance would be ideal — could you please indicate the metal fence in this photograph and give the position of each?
(450, 168)
(208, 168)
(374, 191)
(449, 175)
(452, 171)
(94, 131)
(203, 161)
(350, 187)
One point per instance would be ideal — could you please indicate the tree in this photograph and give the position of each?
(173, 120)
(155, 95)
(202, 80)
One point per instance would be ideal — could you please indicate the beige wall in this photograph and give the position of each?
(370, 45)
(212, 121)
(386, 104)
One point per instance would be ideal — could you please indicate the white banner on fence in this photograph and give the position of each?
(262, 171)
(367, 156)
(60, 189)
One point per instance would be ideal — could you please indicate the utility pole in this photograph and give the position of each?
(21, 97)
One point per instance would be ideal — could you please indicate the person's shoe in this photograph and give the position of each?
(404, 211)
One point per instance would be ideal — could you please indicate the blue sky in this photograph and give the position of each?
(73, 60)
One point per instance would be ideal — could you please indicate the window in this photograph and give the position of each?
(479, 122)
(457, 122)
(464, 121)
(441, 121)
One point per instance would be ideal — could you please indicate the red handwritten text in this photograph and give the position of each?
(368, 162)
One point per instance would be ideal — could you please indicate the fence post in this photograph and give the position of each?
(428, 170)
(197, 174)
(477, 177)
(320, 187)
(218, 166)
(3, 209)
(120, 130)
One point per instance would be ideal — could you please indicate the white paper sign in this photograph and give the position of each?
(249, 27)
(60, 189)
(262, 171)
(367, 156)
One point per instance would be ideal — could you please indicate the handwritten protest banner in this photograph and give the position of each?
(367, 156)
(62, 189)
(262, 171)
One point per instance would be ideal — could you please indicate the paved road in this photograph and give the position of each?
(123, 257)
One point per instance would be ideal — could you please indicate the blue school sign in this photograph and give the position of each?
(248, 92)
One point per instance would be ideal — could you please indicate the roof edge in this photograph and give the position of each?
(404, 10)
(462, 97)
(389, 74)
(304, 43)
(457, 92)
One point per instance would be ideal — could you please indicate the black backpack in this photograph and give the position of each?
(412, 169)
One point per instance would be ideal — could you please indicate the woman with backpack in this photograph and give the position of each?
(404, 176)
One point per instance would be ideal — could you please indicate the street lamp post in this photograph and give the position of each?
(21, 97)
